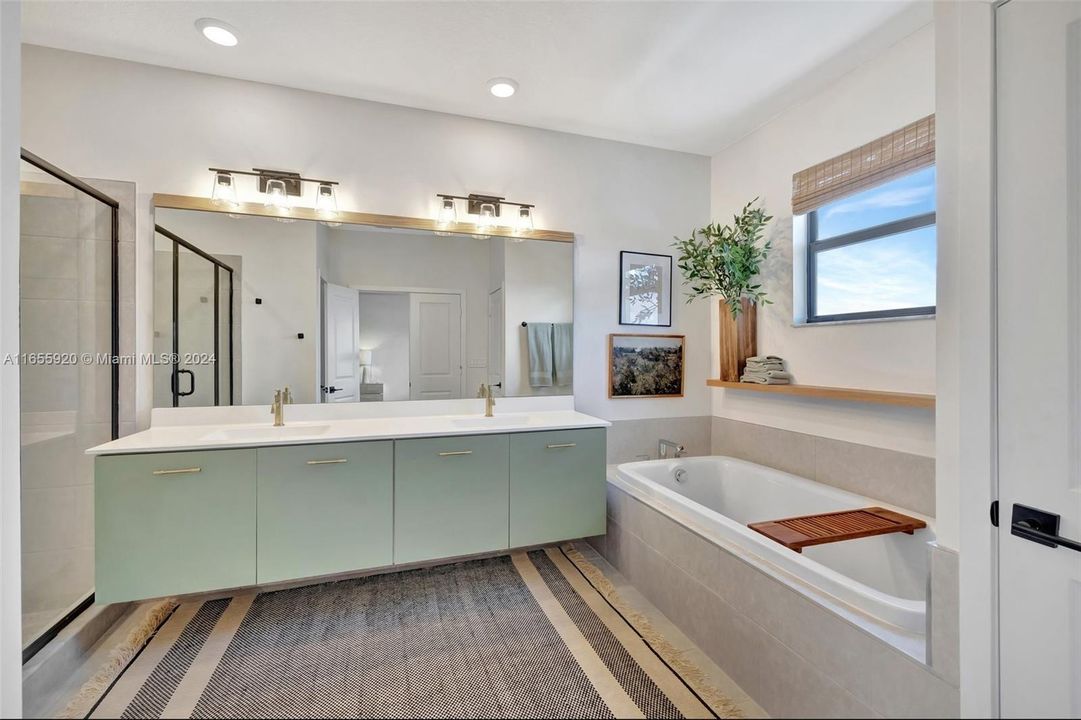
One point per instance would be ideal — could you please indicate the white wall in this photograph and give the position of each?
(384, 329)
(278, 265)
(885, 93)
(965, 471)
(162, 128)
(536, 288)
(10, 580)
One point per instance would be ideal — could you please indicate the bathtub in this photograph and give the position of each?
(883, 578)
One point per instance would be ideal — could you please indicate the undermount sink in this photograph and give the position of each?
(250, 433)
(497, 421)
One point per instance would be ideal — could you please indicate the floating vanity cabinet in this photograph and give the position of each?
(557, 486)
(450, 497)
(173, 523)
(324, 509)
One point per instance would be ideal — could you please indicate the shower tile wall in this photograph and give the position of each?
(65, 307)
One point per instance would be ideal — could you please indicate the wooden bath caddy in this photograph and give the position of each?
(799, 532)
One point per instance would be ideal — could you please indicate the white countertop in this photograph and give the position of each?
(308, 428)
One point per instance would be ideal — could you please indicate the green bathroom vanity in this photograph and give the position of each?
(170, 523)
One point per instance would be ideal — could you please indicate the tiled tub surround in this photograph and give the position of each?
(630, 440)
(797, 652)
(897, 478)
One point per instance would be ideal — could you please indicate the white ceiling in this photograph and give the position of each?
(677, 75)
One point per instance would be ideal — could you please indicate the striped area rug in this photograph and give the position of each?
(520, 636)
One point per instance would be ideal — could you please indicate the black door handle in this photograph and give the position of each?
(191, 384)
(331, 389)
(175, 381)
(1039, 526)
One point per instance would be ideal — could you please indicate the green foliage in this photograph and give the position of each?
(725, 260)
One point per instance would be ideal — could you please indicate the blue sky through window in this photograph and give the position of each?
(897, 271)
(886, 273)
(913, 194)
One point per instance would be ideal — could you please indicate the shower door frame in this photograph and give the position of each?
(47, 167)
(179, 242)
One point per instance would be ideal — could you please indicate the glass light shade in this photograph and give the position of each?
(326, 200)
(525, 219)
(224, 190)
(276, 196)
(448, 214)
(486, 216)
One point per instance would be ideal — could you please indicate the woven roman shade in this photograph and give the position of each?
(902, 151)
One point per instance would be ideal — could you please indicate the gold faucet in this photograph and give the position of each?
(489, 399)
(277, 410)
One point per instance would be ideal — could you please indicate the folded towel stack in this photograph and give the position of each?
(765, 370)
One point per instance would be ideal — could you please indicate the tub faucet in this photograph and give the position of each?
(665, 445)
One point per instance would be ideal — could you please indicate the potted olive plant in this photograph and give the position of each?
(724, 261)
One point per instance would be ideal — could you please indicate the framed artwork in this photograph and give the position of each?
(645, 366)
(645, 289)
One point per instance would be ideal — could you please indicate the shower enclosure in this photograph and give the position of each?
(193, 325)
(69, 374)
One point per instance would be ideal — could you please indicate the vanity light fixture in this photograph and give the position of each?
(224, 190)
(485, 220)
(326, 202)
(217, 32)
(487, 208)
(525, 218)
(276, 195)
(278, 187)
(502, 87)
(448, 213)
(486, 216)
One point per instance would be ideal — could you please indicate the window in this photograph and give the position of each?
(872, 254)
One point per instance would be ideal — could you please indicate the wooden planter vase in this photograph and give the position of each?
(739, 339)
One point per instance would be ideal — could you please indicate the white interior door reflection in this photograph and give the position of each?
(435, 342)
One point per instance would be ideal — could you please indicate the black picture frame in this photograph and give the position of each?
(664, 296)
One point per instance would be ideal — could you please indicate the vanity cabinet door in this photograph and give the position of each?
(173, 523)
(324, 509)
(450, 497)
(557, 486)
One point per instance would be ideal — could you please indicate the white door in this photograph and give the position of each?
(435, 346)
(496, 339)
(341, 359)
(1039, 327)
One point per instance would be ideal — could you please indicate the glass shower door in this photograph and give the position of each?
(196, 312)
(193, 340)
(69, 392)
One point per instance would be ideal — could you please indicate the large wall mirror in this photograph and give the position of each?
(244, 305)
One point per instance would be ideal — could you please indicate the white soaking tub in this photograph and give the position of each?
(883, 577)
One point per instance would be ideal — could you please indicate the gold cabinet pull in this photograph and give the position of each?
(553, 446)
(336, 461)
(456, 452)
(178, 471)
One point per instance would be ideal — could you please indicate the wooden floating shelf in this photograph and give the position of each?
(880, 397)
(797, 533)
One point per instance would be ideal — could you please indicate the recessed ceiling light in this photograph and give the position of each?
(502, 87)
(217, 32)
